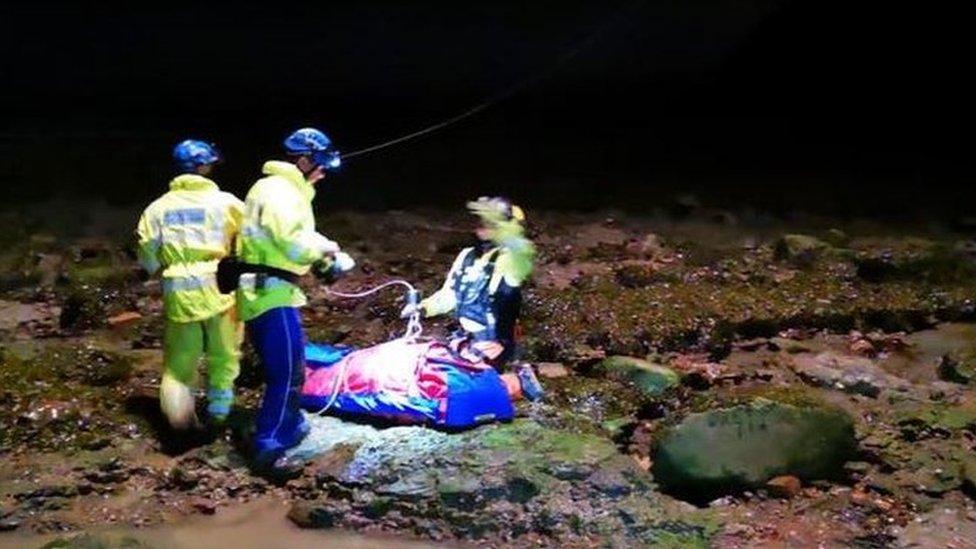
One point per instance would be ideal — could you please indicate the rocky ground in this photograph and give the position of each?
(715, 379)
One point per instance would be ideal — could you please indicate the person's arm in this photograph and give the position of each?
(148, 244)
(282, 222)
(443, 300)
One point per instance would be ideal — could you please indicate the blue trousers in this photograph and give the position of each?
(280, 343)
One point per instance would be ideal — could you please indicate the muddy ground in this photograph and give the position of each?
(723, 316)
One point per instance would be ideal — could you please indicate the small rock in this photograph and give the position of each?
(183, 478)
(968, 472)
(752, 344)
(551, 370)
(956, 369)
(785, 486)
(701, 374)
(800, 250)
(859, 497)
(888, 342)
(97, 443)
(837, 238)
(721, 502)
(584, 354)
(648, 247)
(610, 482)
(651, 379)
(791, 346)
(204, 505)
(863, 347)
(312, 515)
(857, 467)
(796, 334)
(107, 477)
(123, 319)
(46, 492)
(850, 374)
(9, 524)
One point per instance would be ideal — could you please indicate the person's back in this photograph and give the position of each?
(185, 233)
(192, 227)
(282, 187)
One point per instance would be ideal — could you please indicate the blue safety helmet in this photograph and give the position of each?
(192, 153)
(316, 145)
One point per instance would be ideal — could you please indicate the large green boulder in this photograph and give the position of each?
(730, 449)
(649, 378)
(497, 481)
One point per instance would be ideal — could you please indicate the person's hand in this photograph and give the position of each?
(322, 269)
(342, 263)
(490, 349)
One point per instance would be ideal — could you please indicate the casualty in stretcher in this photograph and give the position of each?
(405, 382)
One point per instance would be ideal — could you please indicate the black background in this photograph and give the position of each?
(834, 107)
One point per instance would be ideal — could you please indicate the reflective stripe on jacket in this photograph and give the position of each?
(185, 233)
(279, 231)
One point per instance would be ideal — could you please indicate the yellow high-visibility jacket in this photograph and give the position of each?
(278, 231)
(186, 232)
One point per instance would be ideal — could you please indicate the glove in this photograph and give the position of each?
(342, 263)
(323, 269)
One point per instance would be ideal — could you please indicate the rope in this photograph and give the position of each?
(499, 97)
(414, 327)
(371, 291)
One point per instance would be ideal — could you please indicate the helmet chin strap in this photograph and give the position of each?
(306, 172)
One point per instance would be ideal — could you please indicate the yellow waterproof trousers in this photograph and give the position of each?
(219, 338)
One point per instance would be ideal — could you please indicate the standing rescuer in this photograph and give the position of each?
(279, 232)
(185, 233)
(483, 288)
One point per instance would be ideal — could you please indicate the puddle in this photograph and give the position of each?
(261, 524)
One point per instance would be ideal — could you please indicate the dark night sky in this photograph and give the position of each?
(744, 102)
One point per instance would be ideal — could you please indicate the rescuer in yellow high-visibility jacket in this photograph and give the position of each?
(279, 231)
(185, 233)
